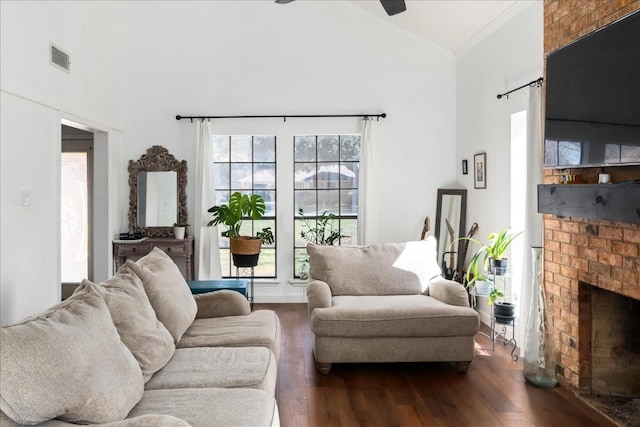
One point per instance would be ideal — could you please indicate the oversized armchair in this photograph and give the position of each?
(387, 303)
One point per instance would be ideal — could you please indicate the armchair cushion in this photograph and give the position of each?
(167, 290)
(366, 270)
(392, 316)
(69, 362)
(136, 321)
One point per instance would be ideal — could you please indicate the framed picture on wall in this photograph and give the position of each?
(480, 170)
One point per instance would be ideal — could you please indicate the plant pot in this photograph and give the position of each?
(505, 310)
(498, 266)
(240, 260)
(482, 288)
(245, 245)
(178, 232)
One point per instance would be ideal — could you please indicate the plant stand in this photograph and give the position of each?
(500, 334)
(499, 326)
(241, 272)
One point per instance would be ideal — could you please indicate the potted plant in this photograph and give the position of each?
(322, 233)
(179, 229)
(491, 256)
(244, 249)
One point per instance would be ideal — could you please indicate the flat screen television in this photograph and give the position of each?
(593, 98)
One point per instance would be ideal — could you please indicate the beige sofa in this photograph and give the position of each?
(139, 350)
(387, 303)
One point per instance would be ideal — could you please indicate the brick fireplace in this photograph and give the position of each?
(591, 267)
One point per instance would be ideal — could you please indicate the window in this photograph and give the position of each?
(325, 181)
(247, 164)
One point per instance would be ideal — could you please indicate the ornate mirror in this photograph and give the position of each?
(451, 212)
(157, 197)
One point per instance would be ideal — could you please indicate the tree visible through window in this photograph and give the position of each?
(325, 182)
(247, 164)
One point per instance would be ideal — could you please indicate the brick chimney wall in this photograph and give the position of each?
(602, 253)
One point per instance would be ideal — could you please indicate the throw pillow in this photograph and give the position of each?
(70, 363)
(420, 258)
(167, 290)
(136, 322)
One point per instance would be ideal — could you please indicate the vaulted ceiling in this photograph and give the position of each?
(452, 24)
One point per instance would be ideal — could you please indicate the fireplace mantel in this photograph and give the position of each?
(611, 202)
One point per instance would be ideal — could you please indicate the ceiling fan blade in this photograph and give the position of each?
(283, 1)
(393, 7)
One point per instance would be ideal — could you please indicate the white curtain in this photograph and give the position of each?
(367, 233)
(533, 232)
(207, 259)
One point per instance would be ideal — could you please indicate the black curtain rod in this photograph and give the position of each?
(532, 83)
(283, 116)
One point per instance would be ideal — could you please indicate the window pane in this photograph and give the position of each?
(349, 174)
(350, 147)
(222, 197)
(241, 177)
(269, 201)
(225, 263)
(220, 148)
(328, 148)
(264, 175)
(266, 263)
(348, 202)
(328, 200)
(305, 199)
(305, 175)
(349, 227)
(259, 225)
(305, 148)
(328, 175)
(264, 148)
(300, 225)
(241, 148)
(221, 175)
(301, 258)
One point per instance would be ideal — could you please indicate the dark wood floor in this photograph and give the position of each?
(492, 393)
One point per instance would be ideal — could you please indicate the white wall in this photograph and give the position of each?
(254, 58)
(35, 97)
(509, 57)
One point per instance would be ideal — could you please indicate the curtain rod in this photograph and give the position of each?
(532, 83)
(282, 116)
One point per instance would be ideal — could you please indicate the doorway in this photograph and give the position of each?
(76, 203)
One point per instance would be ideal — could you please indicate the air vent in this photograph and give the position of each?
(59, 58)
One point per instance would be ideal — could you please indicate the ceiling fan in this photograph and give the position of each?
(392, 7)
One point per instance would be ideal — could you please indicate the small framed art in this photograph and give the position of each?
(465, 167)
(480, 170)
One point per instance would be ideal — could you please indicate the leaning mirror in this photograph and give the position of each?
(157, 197)
(450, 224)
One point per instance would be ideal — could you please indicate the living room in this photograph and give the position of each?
(135, 65)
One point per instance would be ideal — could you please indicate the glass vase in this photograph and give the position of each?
(539, 357)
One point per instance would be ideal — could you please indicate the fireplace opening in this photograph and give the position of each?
(609, 329)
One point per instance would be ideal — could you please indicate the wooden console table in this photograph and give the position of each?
(180, 251)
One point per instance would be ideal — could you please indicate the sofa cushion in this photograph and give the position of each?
(227, 367)
(393, 316)
(136, 321)
(261, 328)
(365, 270)
(151, 420)
(167, 290)
(207, 407)
(68, 362)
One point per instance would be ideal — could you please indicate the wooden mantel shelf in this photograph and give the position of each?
(611, 202)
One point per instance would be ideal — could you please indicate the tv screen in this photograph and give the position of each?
(593, 98)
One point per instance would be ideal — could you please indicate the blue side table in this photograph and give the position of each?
(203, 286)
